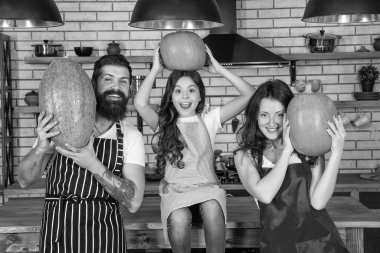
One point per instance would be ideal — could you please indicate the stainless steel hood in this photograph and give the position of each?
(232, 49)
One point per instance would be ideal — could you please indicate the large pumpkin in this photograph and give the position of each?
(308, 115)
(183, 50)
(67, 93)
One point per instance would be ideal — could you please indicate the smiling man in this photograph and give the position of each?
(86, 185)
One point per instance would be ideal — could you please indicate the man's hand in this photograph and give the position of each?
(85, 157)
(44, 125)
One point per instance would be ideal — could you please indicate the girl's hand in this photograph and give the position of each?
(157, 63)
(44, 125)
(338, 134)
(286, 135)
(85, 157)
(214, 65)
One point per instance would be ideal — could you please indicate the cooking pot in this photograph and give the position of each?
(321, 42)
(46, 49)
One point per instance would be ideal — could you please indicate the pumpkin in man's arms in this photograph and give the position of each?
(308, 115)
(67, 93)
(183, 50)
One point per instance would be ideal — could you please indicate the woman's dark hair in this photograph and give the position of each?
(169, 140)
(249, 136)
(116, 60)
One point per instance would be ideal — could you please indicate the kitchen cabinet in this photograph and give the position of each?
(6, 114)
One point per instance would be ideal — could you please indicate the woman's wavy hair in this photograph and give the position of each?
(249, 136)
(169, 137)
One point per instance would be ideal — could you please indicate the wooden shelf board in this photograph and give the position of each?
(332, 56)
(357, 104)
(36, 109)
(339, 104)
(88, 59)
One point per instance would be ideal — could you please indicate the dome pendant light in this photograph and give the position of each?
(176, 14)
(29, 13)
(342, 11)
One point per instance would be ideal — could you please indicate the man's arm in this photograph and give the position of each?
(33, 164)
(129, 190)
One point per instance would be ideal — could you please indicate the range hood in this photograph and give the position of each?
(232, 49)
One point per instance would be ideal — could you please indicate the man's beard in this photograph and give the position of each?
(111, 109)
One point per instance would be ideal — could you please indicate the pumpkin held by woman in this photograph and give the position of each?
(183, 50)
(66, 92)
(308, 115)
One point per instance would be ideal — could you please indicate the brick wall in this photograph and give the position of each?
(273, 24)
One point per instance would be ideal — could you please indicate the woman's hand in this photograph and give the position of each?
(44, 125)
(157, 63)
(214, 65)
(286, 135)
(338, 134)
(85, 157)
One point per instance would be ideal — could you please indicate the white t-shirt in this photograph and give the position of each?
(213, 124)
(133, 143)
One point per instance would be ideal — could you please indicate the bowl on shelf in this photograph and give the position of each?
(83, 51)
(31, 98)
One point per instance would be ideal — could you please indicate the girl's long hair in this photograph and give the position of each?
(169, 137)
(249, 136)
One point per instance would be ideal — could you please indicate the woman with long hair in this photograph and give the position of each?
(292, 190)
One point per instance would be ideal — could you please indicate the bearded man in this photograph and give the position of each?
(84, 186)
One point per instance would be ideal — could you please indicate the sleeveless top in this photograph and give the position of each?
(196, 182)
(290, 224)
(79, 215)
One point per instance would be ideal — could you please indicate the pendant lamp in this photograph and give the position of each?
(29, 13)
(176, 14)
(342, 11)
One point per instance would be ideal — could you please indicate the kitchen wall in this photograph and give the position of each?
(273, 24)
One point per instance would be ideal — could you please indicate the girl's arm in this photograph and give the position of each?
(264, 189)
(237, 105)
(141, 100)
(324, 179)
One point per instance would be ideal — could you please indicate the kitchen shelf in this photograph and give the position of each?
(87, 59)
(339, 104)
(36, 109)
(332, 56)
(293, 58)
(358, 104)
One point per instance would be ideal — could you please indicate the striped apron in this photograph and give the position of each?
(79, 215)
(196, 182)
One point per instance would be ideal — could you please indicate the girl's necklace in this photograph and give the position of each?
(104, 131)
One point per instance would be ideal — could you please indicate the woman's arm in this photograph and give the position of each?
(237, 105)
(266, 188)
(324, 179)
(141, 100)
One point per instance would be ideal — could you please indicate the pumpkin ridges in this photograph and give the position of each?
(183, 50)
(308, 115)
(66, 91)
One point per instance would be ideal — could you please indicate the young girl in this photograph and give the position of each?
(186, 140)
(292, 190)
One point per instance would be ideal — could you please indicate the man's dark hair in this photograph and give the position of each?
(117, 60)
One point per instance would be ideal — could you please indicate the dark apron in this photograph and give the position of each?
(79, 215)
(290, 224)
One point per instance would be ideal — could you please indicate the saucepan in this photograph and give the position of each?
(46, 49)
(321, 42)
